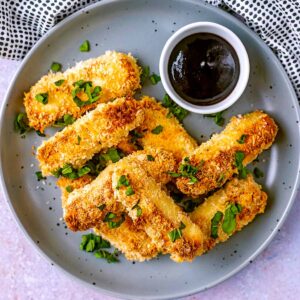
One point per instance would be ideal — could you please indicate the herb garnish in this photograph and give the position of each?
(110, 257)
(21, 123)
(145, 74)
(221, 179)
(214, 224)
(83, 171)
(78, 139)
(123, 181)
(154, 78)
(138, 209)
(113, 220)
(69, 189)
(59, 82)
(86, 87)
(91, 242)
(174, 109)
(64, 121)
(39, 176)
(239, 157)
(150, 157)
(187, 170)
(157, 130)
(55, 66)
(229, 222)
(176, 233)
(40, 133)
(102, 206)
(129, 191)
(42, 98)
(242, 139)
(85, 46)
(218, 118)
(258, 173)
(113, 155)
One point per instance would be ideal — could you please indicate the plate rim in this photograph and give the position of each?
(110, 292)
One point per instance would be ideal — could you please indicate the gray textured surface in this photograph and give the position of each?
(33, 205)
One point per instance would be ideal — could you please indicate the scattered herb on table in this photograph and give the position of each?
(85, 46)
(40, 133)
(258, 173)
(218, 118)
(145, 74)
(155, 79)
(174, 109)
(39, 176)
(91, 242)
(55, 66)
(109, 257)
(21, 123)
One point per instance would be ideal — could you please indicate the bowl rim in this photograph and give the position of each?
(224, 33)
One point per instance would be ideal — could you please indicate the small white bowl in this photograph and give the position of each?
(227, 35)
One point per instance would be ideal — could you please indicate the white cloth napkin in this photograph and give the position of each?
(277, 22)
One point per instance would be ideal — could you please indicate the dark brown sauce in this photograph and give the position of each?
(203, 69)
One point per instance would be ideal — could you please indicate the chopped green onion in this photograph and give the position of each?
(154, 78)
(85, 46)
(229, 222)
(21, 123)
(214, 224)
(218, 118)
(123, 181)
(145, 74)
(242, 139)
(39, 176)
(55, 67)
(59, 82)
(91, 242)
(83, 171)
(174, 109)
(113, 155)
(109, 257)
(42, 98)
(176, 233)
(113, 220)
(157, 130)
(239, 157)
(129, 191)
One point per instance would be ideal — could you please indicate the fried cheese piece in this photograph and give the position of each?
(215, 160)
(173, 136)
(104, 127)
(152, 209)
(245, 192)
(81, 210)
(133, 242)
(116, 73)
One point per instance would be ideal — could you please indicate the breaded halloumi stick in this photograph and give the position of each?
(98, 130)
(81, 210)
(173, 137)
(130, 240)
(152, 209)
(244, 192)
(116, 73)
(215, 161)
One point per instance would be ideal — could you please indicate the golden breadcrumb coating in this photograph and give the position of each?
(215, 159)
(245, 192)
(173, 137)
(133, 242)
(159, 214)
(116, 73)
(104, 127)
(81, 210)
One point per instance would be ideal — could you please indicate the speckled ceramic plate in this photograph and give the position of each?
(142, 27)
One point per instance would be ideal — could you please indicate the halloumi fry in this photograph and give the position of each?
(98, 130)
(116, 73)
(244, 192)
(153, 210)
(215, 161)
(173, 137)
(133, 242)
(81, 210)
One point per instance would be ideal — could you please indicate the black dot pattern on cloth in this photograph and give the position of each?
(277, 22)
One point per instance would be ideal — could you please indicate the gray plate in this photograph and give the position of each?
(142, 27)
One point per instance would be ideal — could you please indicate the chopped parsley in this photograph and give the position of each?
(229, 221)
(64, 121)
(113, 220)
(21, 123)
(242, 139)
(176, 233)
(42, 98)
(174, 109)
(109, 257)
(113, 155)
(157, 130)
(187, 170)
(85, 46)
(218, 118)
(123, 181)
(55, 66)
(91, 242)
(155, 79)
(214, 224)
(39, 176)
(239, 157)
(59, 82)
(258, 173)
(69, 189)
(85, 87)
(150, 157)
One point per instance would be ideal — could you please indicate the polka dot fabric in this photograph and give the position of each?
(277, 22)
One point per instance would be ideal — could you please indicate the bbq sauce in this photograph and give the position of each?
(203, 69)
